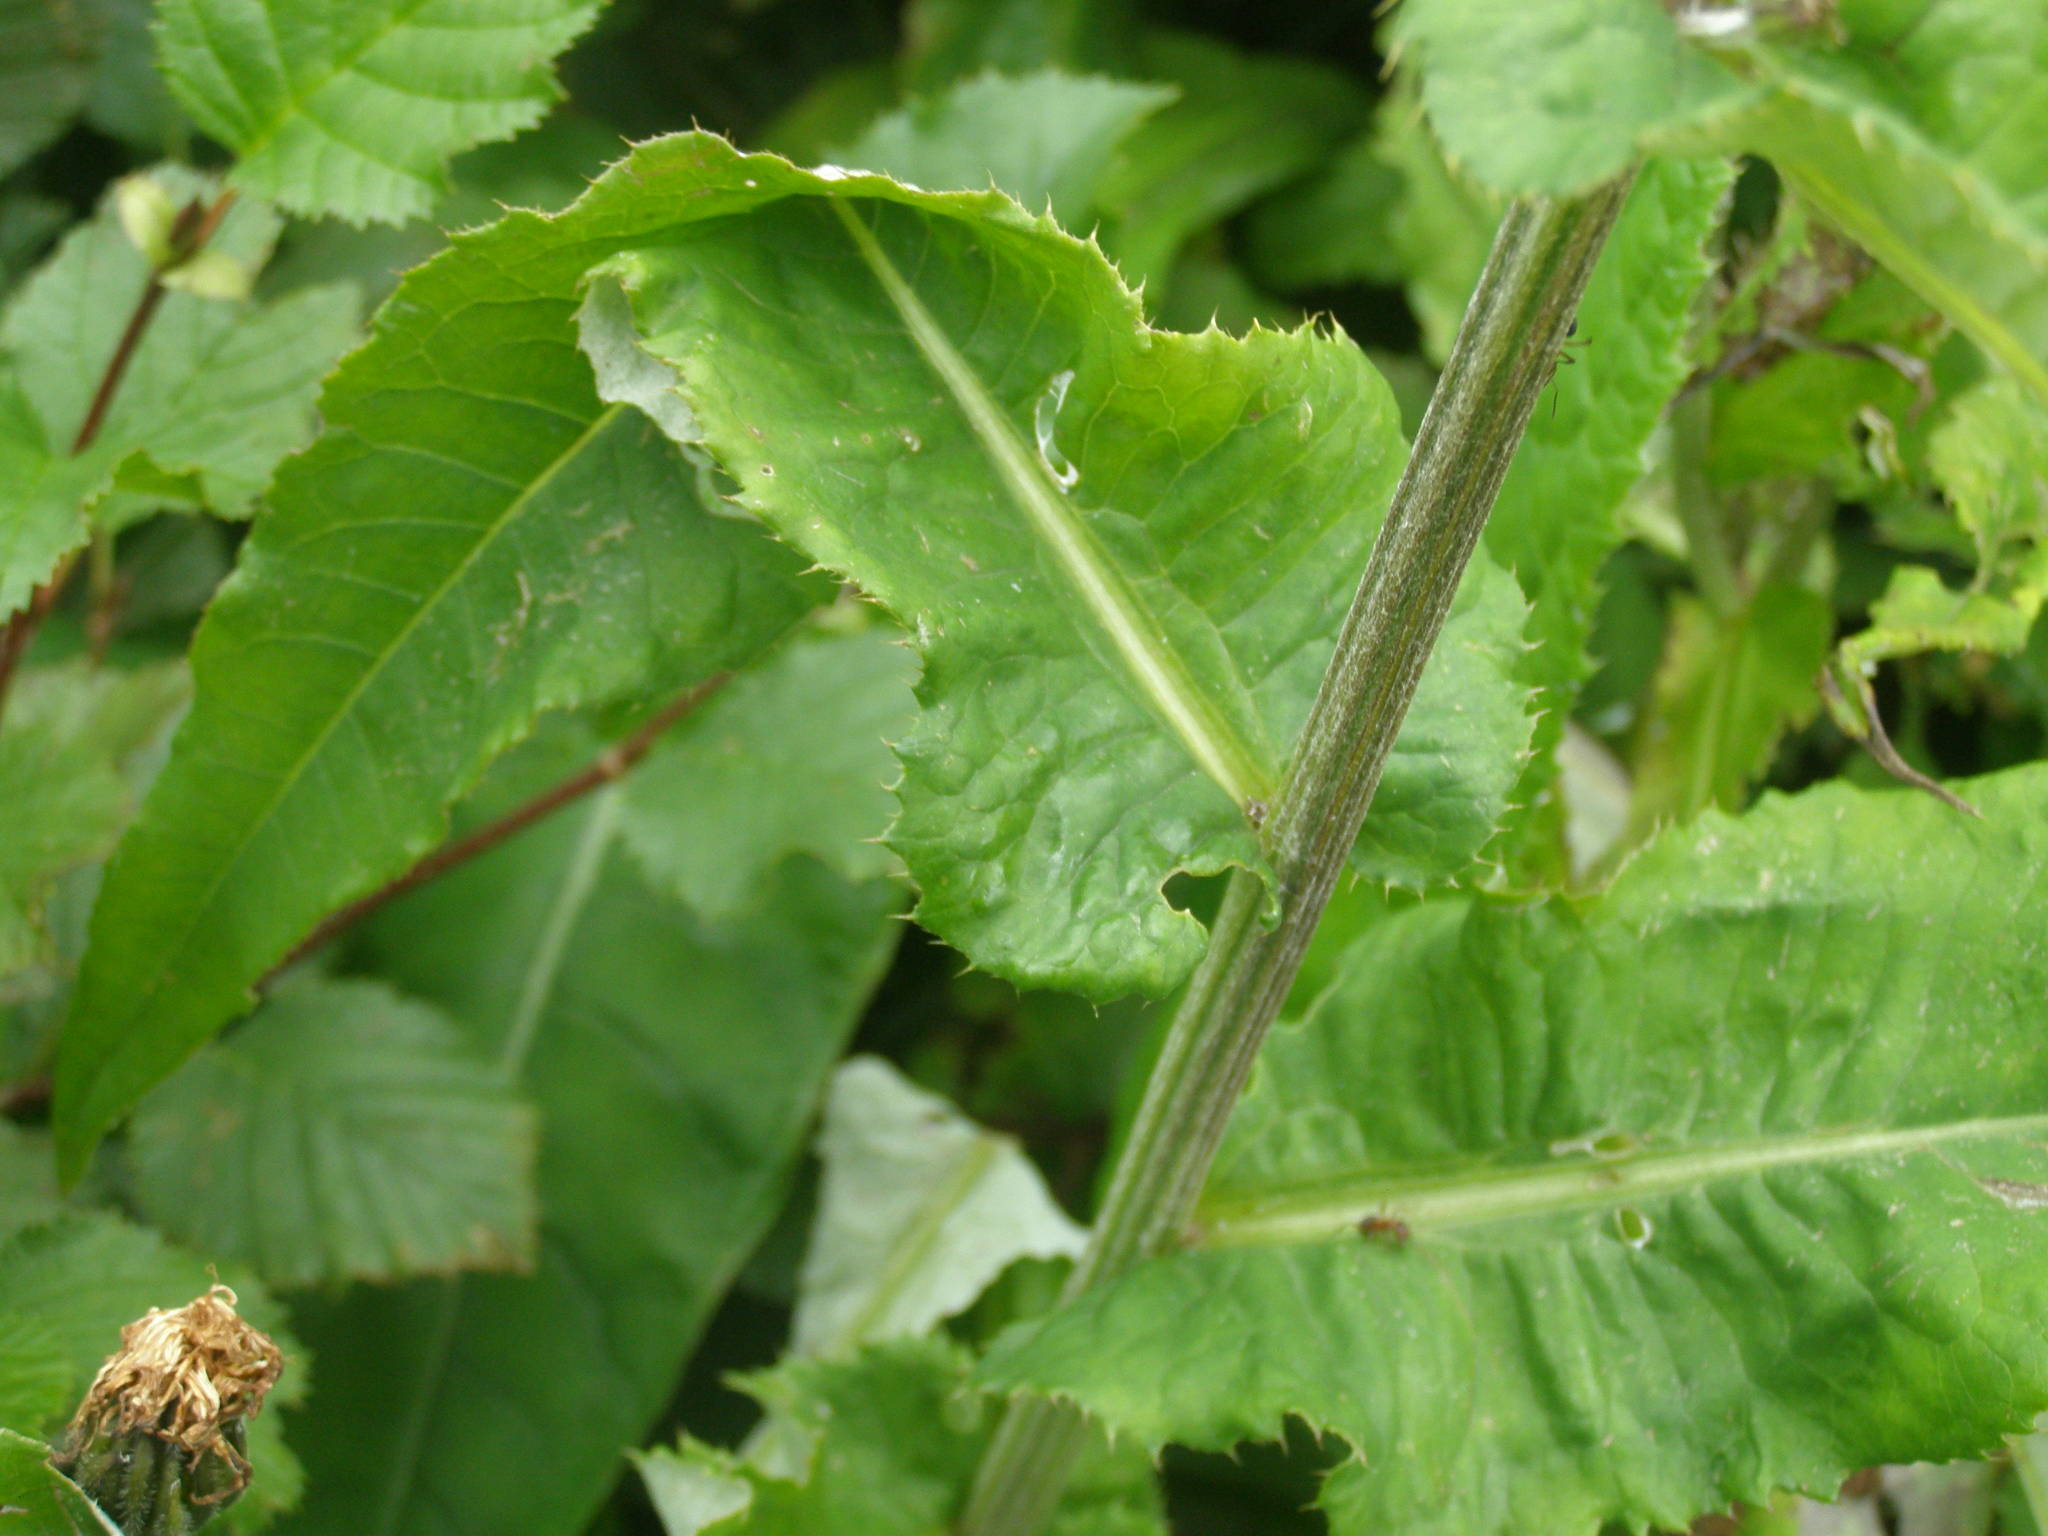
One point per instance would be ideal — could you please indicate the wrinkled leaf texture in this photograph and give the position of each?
(344, 1132)
(354, 109)
(1731, 1178)
(1114, 666)
(1915, 129)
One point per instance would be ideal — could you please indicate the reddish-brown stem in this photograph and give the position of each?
(194, 226)
(613, 763)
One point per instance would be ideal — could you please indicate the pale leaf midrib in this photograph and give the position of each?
(1443, 1202)
(201, 907)
(1137, 637)
(916, 1243)
(537, 988)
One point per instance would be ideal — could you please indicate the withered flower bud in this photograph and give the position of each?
(159, 1441)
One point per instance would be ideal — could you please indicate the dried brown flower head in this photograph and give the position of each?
(188, 1377)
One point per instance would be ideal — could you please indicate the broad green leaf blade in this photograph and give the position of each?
(1558, 515)
(676, 1065)
(354, 110)
(919, 1209)
(1553, 98)
(1727, 1180)
(1729, 687)
(86, 1275)
(1044, 138)
(54, 1505)
(345, 1132)
(791, 757)
(1123, 553)
(895, 1436)
(1244, 124)
(49, 51)
(475, 539)
(66, 738)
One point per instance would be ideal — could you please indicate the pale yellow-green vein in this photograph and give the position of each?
(1136, 635)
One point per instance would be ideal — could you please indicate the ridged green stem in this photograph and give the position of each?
(1505, 353)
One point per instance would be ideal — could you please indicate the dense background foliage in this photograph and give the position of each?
(1714, 1115)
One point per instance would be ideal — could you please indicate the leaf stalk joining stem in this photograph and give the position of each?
(1503, 357)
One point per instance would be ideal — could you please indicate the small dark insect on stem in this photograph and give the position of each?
(613, 763)
(195, 224)
(1390, 1230)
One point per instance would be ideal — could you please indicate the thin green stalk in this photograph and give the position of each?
(1505, 353)
(1699, 509)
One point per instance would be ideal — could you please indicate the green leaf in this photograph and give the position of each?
(1385, 209)
(1990, 455)
(354, 111)
(1553, 98)
(1913, 131)
(945, 40)
(44, 494)
(87, 1275)
(28, 1191)
(35, 1376)
(218, 391)
(1122, 553)
(1244, 124)
(55, 1505)
(790, 757)
(1336, 226)
(49, 51)
(676, 1065)
(67, 736)
(1726, 1180)
(129, 100)
(1558, 515)
(216, 394)
(920, 1209)
(896, 1436)
(1728, 689)
(1918, 612)
(1044, 138)
(344, 1132)
(1991, 458)
(476, 538)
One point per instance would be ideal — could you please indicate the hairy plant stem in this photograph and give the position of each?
(1505, 353)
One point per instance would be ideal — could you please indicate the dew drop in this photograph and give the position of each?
(1635, 1228)
(1043, 415)
(911, 440)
